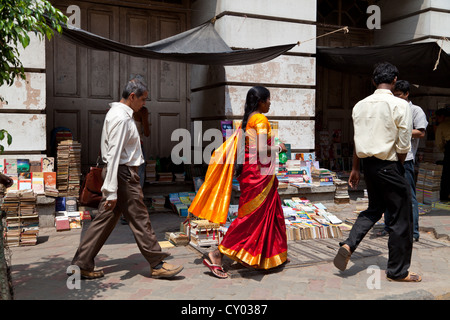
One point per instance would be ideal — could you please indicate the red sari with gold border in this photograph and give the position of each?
(257, 237)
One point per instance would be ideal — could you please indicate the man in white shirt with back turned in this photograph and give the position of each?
(122, 193)
(383, 125)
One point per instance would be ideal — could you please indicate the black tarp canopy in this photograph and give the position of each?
(200, 45)
(415, 62)
(203, 45)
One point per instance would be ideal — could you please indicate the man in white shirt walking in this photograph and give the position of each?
(122, 193)
(383, 124)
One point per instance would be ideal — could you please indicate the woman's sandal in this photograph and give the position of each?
(214, 268)
(411, 277)
(382, 233)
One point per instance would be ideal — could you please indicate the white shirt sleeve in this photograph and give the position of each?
(116, 140)
(403, 120)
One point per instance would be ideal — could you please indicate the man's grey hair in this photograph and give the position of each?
(136, 86)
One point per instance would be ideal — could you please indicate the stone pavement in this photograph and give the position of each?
(39, 272)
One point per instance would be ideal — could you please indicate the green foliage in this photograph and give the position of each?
(17, 19)
(3, 134)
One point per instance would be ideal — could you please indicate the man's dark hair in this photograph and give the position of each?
(135, 86)
(403, 86)
(384, 72)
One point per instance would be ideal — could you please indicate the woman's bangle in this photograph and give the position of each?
(279, 148)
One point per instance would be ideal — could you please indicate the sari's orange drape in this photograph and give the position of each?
(213, 198)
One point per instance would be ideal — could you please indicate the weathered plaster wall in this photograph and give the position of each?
(219, 92)
(22, 112)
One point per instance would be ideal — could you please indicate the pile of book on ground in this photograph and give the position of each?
(177, 238)
(428, 183)
(181, 201)
(442, 205)
(22, 219)
(306, 220)
(68, 172)
(322, 177)
(68, 215)
(341, 194)
(159, 202)
(203, 233)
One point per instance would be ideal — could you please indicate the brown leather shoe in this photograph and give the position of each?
(342, 257)
(95, 274)
(166, 271)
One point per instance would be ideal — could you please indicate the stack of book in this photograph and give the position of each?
(180, 202)
(306, 220)
(428, 183)
(29, 222)
(322, 177)
(27, 203)
(74, 169)
(68, 168)
(150, 171)
(177, 238)
(341, 195)
(62, 171)
(22, 220)
(10, 206)
(30, 231)
(204, 233)
(179, 177)
(158, 202)
(165, 177)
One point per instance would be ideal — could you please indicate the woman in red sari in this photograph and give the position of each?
(257, 237)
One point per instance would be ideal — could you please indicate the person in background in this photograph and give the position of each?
(121, 191)
(383, 125)
(419, 121)
(442, 137)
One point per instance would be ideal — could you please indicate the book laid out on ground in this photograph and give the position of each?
(62, 223)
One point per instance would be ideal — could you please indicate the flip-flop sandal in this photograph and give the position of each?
(342, 258)
(411, 277)
(214, 268)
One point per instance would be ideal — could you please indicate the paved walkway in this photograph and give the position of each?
(39, 272)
